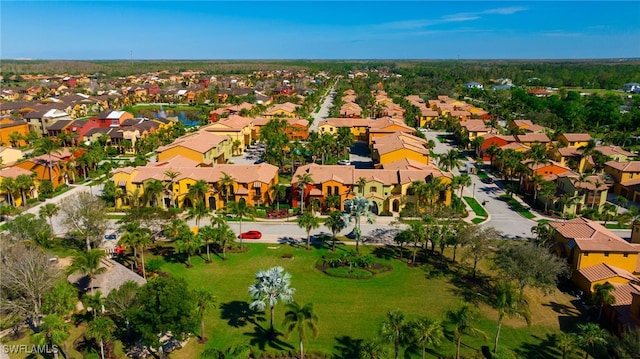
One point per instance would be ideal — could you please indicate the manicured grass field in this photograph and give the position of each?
(517, 206)
(482, 175)
(351, 309)
(476, 207)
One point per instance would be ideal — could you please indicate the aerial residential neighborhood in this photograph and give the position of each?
(322, 158)
(344, 180)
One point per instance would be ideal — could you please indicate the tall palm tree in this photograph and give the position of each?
(547, 191)
(361, 183)
(536, 180)
(88, 263)
(223, 234)
(279, 191)
(537, 153)
(171, 175)
(207, 234)
(205, 301)
(308, 221)
(271, 286)
(49, 210)
(101, 329)
(9, 186)
(335, 222)
(602, 295)
(509, 303)
(424, 332)
(300, 317)
(464, 180)
(24, 183)
(226, 184)
(302, 181)
(188, 243)
(419, 189)
(197, 212)
(152, 190)
(463, 319)
(493, 151)
(241, 209)
(53, 331)
(394, 330)
(591, 336)
(359, 207)
(450, 160)
(198, 192)
(48, 146)
(566, 342)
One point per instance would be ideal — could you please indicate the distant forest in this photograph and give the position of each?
(593, 74)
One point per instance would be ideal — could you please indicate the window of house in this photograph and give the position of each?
(188, 185)
(336, 191)
(586, 254)
(329, 191)
(258, 191)
(606, 254)
(626, 255)
(373, 189)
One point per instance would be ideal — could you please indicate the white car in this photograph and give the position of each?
(344, 162)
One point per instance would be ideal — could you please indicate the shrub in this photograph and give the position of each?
(346, 272)
(261, 213)
(154, 265)
(287, 256)
(386, 214)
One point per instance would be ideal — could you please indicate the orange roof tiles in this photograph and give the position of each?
(604, 271)
(577, 137)
(591, 236)
(201, 142)
(631, 166)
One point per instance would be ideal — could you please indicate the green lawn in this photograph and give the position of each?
(482, 175)
(517, 206)
(348, 309)
(617, 226)
(478, 220)
(476, 207)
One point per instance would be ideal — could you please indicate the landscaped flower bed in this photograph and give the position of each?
(350, 265)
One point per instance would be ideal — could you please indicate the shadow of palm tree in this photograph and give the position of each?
(261, 337)
(386, 252)
(545, 348)
(238, 314)
(347, 347)
(169, 254)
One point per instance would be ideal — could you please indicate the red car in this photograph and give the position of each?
(250, 235)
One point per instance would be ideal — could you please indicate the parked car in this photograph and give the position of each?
(250, 235)
(487, 180)
(344, 162)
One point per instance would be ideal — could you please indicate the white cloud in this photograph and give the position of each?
(458, 17)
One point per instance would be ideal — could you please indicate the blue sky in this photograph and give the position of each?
(319, 30)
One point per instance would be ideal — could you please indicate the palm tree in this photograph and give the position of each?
(226, 184)
(302, 181)
(547, 191)
(335, 222)
(279, 191)
(424, 332)
(88, 263)
(10, 187)
(152, 191)
(602, 295)
(271, 286)
(361, 183)
(175, 229)
(536, 180)
(241, 209)
(359, 207)
(393, 330)
(464, 180)
(590, 336)
(207, 234)
(308, 222)
(566, 342)
(419, 189)
(509, 303)
(48, 146)
(49, 210)
(204, 302)
(197, 212)
(450, 160)
(53, 331)
(198, 192)
(463, 319)
(223, 234)
(101, 329)
(24, 183)
(492, 151)
(172, 175)
(188, 243)
(297, 317)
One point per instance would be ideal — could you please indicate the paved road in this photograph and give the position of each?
(324, 109)
(501, 216)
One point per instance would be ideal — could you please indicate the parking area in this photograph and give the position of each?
(252, 155)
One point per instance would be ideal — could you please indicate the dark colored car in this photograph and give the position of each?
(250, 235)
(487, 180)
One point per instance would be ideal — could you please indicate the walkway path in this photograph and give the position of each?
(324, 109)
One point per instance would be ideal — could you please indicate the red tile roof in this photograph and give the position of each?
(591, 236)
